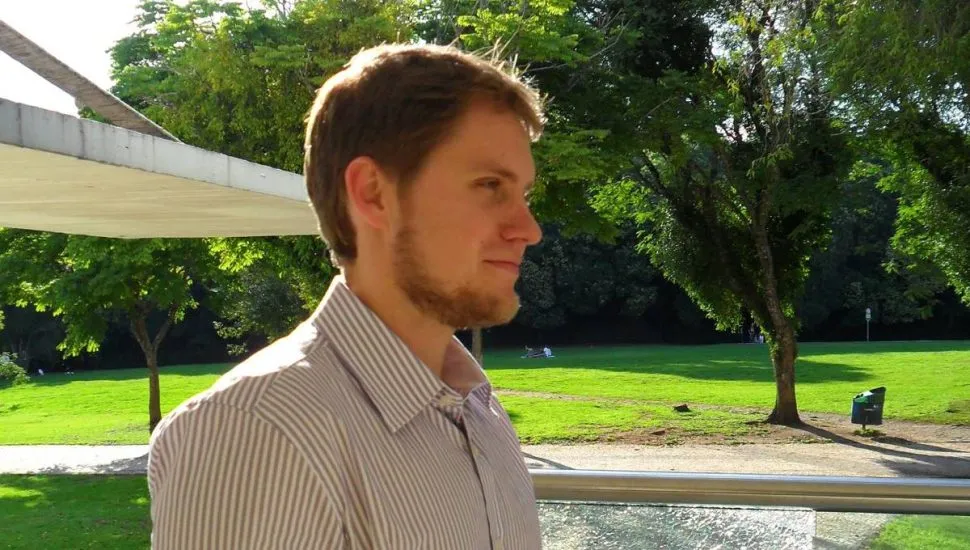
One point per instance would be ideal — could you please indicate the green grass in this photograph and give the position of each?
(550, 420)
(921, 532)
(94, 407)
(619, 388)
(925, 381)
(61, 512)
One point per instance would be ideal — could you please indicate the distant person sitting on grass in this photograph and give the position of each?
(537, 353)
(532, 353)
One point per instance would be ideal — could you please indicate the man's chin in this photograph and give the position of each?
(503, 314)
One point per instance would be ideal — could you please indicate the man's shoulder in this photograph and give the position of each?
(257, 386)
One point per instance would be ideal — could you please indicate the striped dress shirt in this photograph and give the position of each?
(338, 436)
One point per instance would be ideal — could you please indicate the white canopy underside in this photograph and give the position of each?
(63, 174)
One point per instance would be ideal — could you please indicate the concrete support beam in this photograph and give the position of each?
(64, 174)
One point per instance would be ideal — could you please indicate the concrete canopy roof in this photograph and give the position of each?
(63, 174)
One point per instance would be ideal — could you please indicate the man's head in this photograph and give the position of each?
(417, 162)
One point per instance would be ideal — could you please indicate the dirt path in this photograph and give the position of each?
(833, 459)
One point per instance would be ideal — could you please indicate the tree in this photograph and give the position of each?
(568, 277)
(274, 282)
(739, 172)
(859, 269)
(901, 69)
(240, 82)
(32, 336)
(88, 281)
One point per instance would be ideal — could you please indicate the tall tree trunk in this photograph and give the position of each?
(154, 395)
(477, 346)
(781, 337)
(784, 351)
(149, 346)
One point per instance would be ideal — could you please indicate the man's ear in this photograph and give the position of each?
(367, 192)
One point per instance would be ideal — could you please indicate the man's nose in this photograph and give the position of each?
(523, 226)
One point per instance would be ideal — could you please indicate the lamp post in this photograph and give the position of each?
(868, 318)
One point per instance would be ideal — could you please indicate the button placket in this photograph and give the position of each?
(489, 487)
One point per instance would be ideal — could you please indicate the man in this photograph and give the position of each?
(370, 425)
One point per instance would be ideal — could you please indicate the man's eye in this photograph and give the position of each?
(492, 184)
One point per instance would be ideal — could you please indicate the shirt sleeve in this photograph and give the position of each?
(221, 477)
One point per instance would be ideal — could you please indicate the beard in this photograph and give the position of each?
(462, 307)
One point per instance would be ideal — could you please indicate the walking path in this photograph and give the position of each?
(835, 459)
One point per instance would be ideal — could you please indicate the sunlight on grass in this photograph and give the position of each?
(922, 532)
(94, 407)
(922, 378)
(14, 492)
(551, 420)
(926, 382)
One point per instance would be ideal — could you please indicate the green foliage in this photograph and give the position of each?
(566, 277)
(275, 282)
(89, 281)
(740, 169)
(11, 373)
(902, 70)
(241, 81)
(860, 269)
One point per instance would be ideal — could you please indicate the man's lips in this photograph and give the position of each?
(510, 266)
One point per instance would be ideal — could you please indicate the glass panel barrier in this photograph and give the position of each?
(616, 526)
(582, 509)
(610, 526)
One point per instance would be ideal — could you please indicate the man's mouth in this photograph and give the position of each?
(511, 267)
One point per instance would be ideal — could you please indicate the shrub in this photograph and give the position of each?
(11, 374)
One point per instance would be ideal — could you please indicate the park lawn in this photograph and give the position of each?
(620, 388)
(921, 532)
(540, 420)
(94, 407)
(925, 381)
(74, 512)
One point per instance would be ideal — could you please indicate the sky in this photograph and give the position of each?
(78, 32)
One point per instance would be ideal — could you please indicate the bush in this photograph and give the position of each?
(11, 373)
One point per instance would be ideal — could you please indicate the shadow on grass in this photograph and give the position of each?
(58, 379)
(78, 511)
(818, 362)
(904, 463)
(808, 371)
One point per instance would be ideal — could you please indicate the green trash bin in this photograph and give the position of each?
(867, 407)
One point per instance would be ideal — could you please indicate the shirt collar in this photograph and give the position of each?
(398, 383)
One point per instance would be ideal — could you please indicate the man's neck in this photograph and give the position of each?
(427, 338)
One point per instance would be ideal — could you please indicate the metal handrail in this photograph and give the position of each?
(821, 493)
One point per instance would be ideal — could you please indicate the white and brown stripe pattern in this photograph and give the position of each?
(337, 436)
